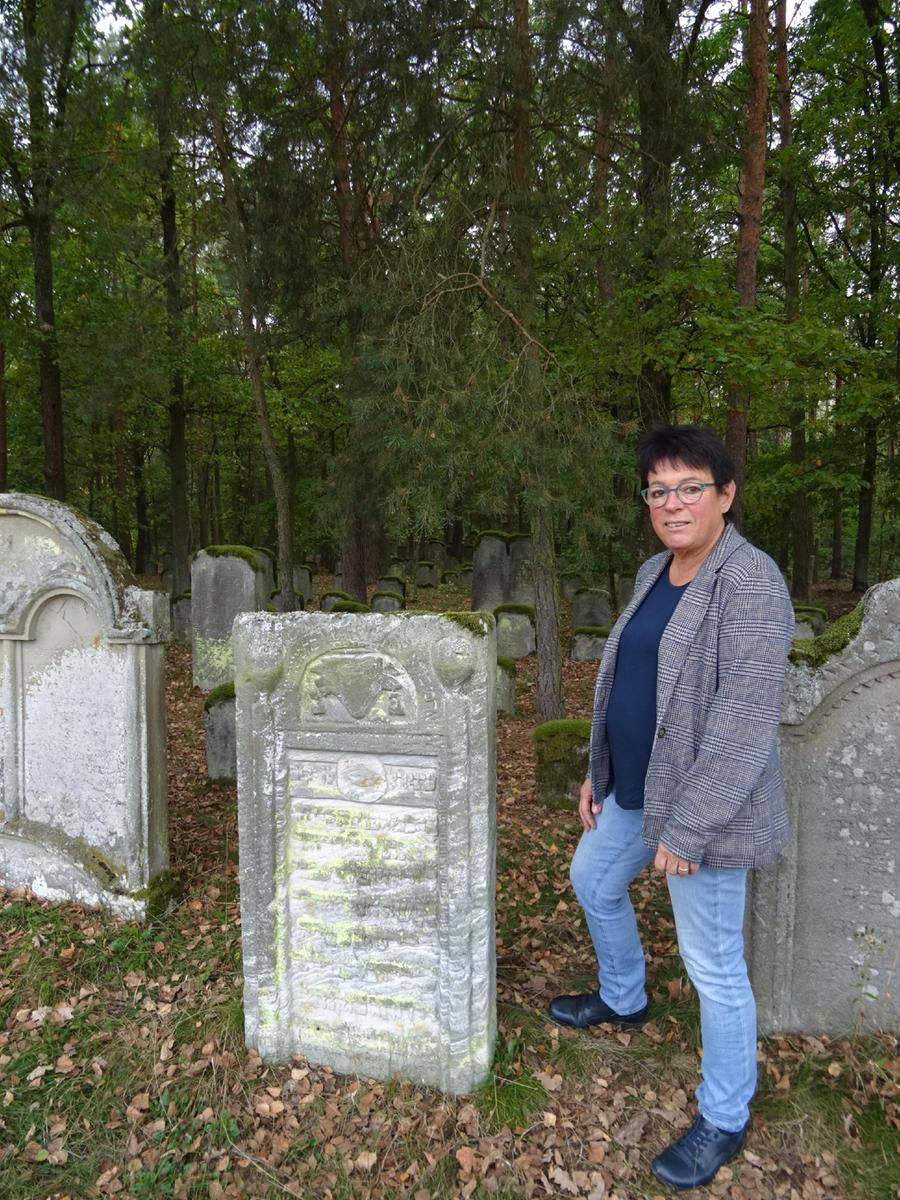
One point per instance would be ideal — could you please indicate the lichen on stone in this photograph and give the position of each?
(814, 652)
(247, 553)
(224, 691)
(507, 664)
(479, 623)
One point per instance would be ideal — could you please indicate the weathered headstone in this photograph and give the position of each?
(181, 619)
(515, 630)
(506, 687)
(267, 562)
(624, 590)
(392, 583)
(427, 574)
(520, 585)
(219, 726)
(569, 583)
(82, 713)
(464, 579)
(590, 607)
(330, 599)
(561, 761)
(367, 827)
(303, 585)
(490, 572)
(386, 602)
(588, 644)
(824, 919)
(225, 580)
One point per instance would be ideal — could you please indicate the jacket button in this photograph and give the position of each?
(661, 732)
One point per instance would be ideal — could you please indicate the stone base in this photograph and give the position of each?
(561, 753)
(515, 635)
(221, 754)
(506, 691)
(51, 875)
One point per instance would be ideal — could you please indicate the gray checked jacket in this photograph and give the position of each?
(714, 792)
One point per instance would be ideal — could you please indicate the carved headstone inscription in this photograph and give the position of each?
(824, 920)
(366, 782)
(225, 581)
(82, 712)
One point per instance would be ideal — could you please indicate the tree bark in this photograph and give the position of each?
(866, 505)
(239, 239)
(142, 545)
(4, 445)
(752, 180)
(549, 667)
(801, 513)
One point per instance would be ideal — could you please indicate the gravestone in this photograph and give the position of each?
(823, 920)
(520, 584)
(435, 551)
(569, 583)
(590, 607)
(219, 727)
(386, 602)
(561, 750)
(506, 687)
(464, 579)
(803, 631)
(303, 585)
(391, 583)
(366, 777)
(490, 572)
(225, 580)
(588, 644)
(624, 590)
(181, 619)
(515, 633)
(427, 574)
(82, 713)
(330, 600)
(267, 562)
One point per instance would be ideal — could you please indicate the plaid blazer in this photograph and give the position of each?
(714, 792)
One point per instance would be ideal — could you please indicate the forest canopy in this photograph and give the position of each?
(338, 277)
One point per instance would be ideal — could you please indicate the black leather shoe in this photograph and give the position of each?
(588, 1009)
(695, 1157)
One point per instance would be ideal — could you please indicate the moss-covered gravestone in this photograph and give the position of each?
(490, 571)
(520, 585)
(588, 643)
(394, 582)
(386, 602)
(218, 722)
(329, 600)
(561, 761)
(82, 713)
(823, 920)
(506, 686)
(515, 630)
(366, 777)
(428, 573)
(303, 583)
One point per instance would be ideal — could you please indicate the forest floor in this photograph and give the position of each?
(123, 1070)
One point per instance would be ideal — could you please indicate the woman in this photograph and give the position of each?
(684, 773)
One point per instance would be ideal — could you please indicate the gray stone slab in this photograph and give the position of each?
(506, 691)
(587, 647)
(515, 635)
(490, 573)
(464, 579)
(428, 574)
(82, 712)
(303, 583)
(520, 585)
(221, 753)
(803, 631)
(391, 583)
(222, 585)
(366, 779)
(181, 620)
(569, 585)
(590, 606)
(624, 590)
(823, 920)
(383, 602)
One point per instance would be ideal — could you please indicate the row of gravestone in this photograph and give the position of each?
(366, 775)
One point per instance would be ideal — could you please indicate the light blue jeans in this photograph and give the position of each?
(709, 919)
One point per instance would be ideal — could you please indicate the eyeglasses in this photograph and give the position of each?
(687, 493)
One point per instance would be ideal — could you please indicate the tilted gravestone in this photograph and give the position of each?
(82, 713)
(520, 578)
(225, 580)
(590, 607)
(823, 920)
(366, 777)
(219, 727)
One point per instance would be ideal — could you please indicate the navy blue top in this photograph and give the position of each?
(631, 715)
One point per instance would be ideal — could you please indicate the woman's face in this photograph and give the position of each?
(688, 529)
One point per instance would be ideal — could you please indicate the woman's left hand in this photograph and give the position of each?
(667, 862)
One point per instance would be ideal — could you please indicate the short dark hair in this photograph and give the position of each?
(692, 445)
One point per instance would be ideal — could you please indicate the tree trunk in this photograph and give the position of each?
(40, 227)
(142, 545)
(752, 180)
(4, 447)
(837, 537)
(239, 239)
(546, 595)
(866, 506)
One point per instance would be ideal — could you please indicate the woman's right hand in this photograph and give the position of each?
(587, 808)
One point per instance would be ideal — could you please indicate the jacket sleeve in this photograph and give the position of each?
(741, 728)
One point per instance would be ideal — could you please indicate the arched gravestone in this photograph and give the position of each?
(82, 712)
(225, 581)
(490, 572)
(824, 919)
(366, 779)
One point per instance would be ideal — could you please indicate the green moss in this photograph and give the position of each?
(568, 729)
(592, 590)
(591, 630)
(497, 533)
(466, 567)
(158, 893)
(397, 578)
(811, 608)
(350, 606)
(424, 562)
(570, 574)
(182, 596)
(816, 651)
(524, 610)
(479, 623)
(248, 554)
(382, 595)
(225, 691)
(265, 550)
(340, 596)
(507, 664)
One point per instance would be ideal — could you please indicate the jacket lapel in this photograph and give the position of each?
(693, 606)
